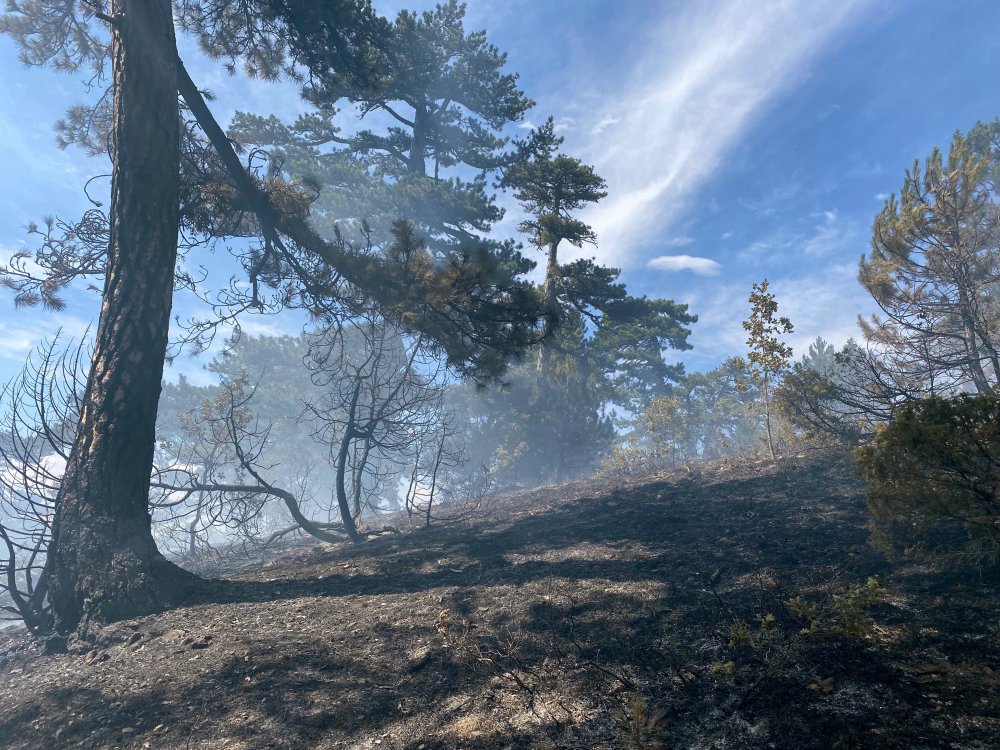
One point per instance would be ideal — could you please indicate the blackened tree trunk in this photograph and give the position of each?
(551, 306)
(418, 144)
(350, 433)
(103, 563)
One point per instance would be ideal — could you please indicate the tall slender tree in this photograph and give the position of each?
(625, 335)
(768, 356)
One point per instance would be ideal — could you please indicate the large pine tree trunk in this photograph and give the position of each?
(551, 306)
(103, 563)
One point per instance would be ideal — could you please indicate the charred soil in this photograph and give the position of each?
(589, 615)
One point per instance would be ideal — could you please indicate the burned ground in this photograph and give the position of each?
(576, 616)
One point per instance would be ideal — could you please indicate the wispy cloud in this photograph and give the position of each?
(700, 266)
(604, 123)
(831, 236)
(768, 204)
(563, 124)
(703, 82)
(828, 112)
(26, 330)
(683, 241)
(15, 342)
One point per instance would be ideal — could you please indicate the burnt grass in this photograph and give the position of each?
(573, 616)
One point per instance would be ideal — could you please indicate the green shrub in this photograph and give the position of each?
(640, 726)
(933, 479)
(626, 462)
(844, 616)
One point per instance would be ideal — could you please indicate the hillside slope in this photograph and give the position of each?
(589, 615)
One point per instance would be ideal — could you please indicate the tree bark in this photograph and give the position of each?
(103, 563)
(418, 143)
(343, 502)
(551, 306)
(350, 527)
(767, 419)
(358, 476)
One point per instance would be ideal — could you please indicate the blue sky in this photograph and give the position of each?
(740, 139)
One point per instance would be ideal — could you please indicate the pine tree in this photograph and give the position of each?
(933, 270)
(551, 187)
(821, 356)
(446, 98)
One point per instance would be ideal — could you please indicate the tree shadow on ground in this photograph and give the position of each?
(682, 527)
(307, 698)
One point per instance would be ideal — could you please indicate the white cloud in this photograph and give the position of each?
(882, 197)
(824, 304)
(700, 266)
(718, 333)
(15, 343)
(865, 168)
(702, 83)
(604, 123)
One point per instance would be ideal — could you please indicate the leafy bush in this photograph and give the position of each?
(933, 476)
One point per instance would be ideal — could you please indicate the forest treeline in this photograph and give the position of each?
(443, 363)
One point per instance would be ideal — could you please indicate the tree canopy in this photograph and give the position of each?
(933, 271)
